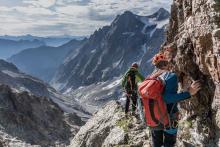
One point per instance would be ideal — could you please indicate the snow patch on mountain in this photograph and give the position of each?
(113, 84)
(152, 32)
(12, 74)
(95, 95)
(129, 33)
(151, 22)
(144, 48)
(145, 20)
(160, 23)
(116, 64)
(58, 85)
(93, 51)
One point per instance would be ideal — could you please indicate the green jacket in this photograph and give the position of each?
(138, 78)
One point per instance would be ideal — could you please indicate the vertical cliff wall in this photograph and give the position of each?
(194, 34)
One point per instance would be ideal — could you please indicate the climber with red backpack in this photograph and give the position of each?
(160, 98)
(129, 83)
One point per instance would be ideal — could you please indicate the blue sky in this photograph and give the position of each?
(70, 17)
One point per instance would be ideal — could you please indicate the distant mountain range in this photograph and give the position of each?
(42, 62)
(11, 47)
(49, 41)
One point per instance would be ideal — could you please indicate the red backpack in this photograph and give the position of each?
(151, 90)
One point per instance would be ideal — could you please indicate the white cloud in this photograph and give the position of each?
(31, 10)
(140, 7)
(11, 3)
(40, 3)
(74, 10)
(73, 17)
(4, 9)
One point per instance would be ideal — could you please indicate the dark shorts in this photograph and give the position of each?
(161, 138)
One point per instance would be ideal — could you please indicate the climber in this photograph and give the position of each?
(129, 82)
(167, 136)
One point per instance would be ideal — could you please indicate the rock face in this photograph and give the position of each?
(30, 120)
(42, 62)
(194, 34)
(109, 127)
(110, 50)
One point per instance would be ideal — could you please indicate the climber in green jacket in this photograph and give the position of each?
(129, 82)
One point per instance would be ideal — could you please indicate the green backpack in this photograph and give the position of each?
(128, 81)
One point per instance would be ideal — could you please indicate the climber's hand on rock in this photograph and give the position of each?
(195, 87)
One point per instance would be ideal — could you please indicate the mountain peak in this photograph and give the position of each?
(125, 18)
(162, 10)
(161, 14)
(127, 13)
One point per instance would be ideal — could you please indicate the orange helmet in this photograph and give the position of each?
(158, 57)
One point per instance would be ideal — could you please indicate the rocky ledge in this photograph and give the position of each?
(109, 127)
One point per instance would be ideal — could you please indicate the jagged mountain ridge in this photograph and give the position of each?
(42, 62)
(110, 50)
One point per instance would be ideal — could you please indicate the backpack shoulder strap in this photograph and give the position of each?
(162, 78)
(157, 74)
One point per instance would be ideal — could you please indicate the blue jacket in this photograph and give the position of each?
(170, 95)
